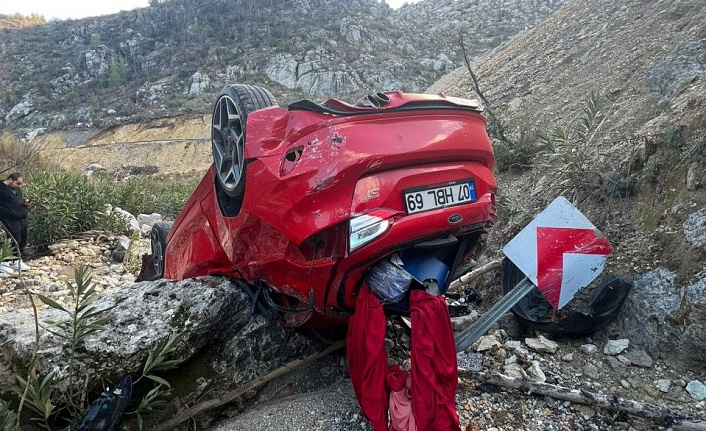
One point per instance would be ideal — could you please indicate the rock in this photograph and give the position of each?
(487, 342)
(514, 370)
(639, 358)
(197, 311)
(695, 229)
(615, 347)
(22, 109)
(96, 61)
(668, 321)
(122, 244)
(568, 357)
(541, 344)
(697, 390)
(589, 348)
(587, 412)
(663, 385)
(199, 84)
(694, 177)
(590, 370)
(535, 372)
(146, 221)
(679, 69)
(95, 167)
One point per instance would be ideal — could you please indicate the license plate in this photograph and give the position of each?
(427, 198)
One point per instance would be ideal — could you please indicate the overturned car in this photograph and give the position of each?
(304, 203)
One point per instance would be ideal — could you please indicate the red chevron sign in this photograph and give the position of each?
(560, 251)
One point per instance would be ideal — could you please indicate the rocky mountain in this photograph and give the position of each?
(598, 106)
(174, 56)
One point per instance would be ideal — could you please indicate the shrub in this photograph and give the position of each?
(65, 204)
(568, 151)
(145, 195)
(618, 185)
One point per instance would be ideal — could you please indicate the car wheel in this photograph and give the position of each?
(158, 244)
(228, 135)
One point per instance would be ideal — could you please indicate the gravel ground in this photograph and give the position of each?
(320, 397)
(326, 401)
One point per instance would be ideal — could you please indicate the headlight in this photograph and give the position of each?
(366, 227)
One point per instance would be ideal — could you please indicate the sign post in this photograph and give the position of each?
(560, 252)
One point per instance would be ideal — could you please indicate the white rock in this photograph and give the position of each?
(589, 348)
(696, 389)
(663, 385)
(541, 344)
(615, 347)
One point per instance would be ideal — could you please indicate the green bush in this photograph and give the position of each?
(145, 195)
(619, 185)
(65, 204)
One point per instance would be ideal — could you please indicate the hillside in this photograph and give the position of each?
(174, 56)
(632, 157)
(652, 96)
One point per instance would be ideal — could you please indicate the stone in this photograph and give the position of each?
(487, 342)
(590, 370)
(514, 371)
(696, 389)
(148, 219)
(541, 344)
(639, 358)
(663, 385)
(695, 229)
(535, 372)
(615, 347)
(678, 69)
(122, 244)
(589, 348)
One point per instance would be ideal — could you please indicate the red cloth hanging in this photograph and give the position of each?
(434, 374)
(401, 414)
(367, 358)
(434, 365)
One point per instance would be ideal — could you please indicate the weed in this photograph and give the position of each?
(694, 146)
(84, 319)
(8, 418)
(568, 151)
(651, 172)
(618, 185)
(155, 399)
(38, 396)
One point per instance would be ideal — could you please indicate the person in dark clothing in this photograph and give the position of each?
(14, 210)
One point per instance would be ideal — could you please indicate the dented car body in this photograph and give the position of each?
(303, 202)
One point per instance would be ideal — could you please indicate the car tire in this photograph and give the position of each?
(228, 134)
(158, 245)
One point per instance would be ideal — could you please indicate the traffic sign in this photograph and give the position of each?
(560, 251)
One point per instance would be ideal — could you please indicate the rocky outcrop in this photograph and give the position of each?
(668, 320)
(198, 312)
(172, 57)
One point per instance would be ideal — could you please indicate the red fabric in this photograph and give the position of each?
(401, 414)
(367, 358)
(434, 374)
(434, 366)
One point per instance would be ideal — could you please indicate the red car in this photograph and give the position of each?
(305, 201)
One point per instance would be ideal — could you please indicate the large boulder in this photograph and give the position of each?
(668, 320)
(209, 311)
